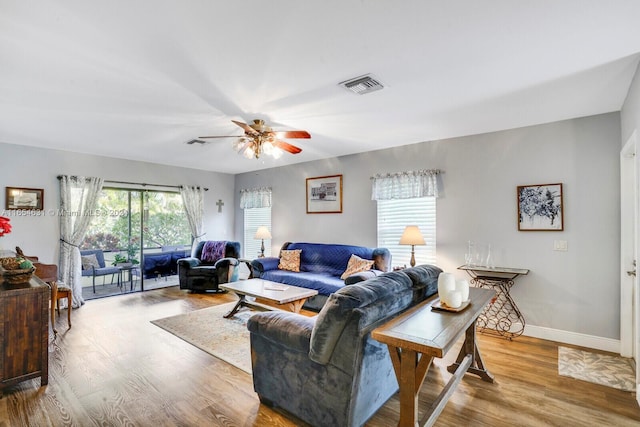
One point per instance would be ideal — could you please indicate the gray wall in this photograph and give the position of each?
(576, 291)
(22, 166)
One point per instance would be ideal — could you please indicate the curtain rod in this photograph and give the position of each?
(143, 184)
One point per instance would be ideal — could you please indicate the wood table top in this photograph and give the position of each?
(429, 331)
(260, 288)
(33, 283)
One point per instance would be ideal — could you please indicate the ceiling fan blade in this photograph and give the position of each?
(292, 134)
(220, 136)
(246, 128)
(287, 147)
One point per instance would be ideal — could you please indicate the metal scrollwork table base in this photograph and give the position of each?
(502, 317)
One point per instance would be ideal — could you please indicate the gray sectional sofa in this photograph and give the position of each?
(327, 370)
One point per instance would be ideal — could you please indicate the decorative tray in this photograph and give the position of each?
(440, 306)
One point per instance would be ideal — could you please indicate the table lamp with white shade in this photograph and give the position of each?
(261, 234)
(412, 236)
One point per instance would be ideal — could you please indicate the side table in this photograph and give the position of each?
(24, 332)
(502, 317)
(415, 337)
(131, 270)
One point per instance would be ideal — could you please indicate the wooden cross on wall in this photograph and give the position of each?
(220, 204)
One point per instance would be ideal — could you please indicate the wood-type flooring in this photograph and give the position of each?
(114, 368)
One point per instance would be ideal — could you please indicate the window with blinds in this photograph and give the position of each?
(395, 215)
(254, 218)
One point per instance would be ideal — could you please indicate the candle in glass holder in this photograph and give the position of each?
(454, 299)
(446, 284)
(462, 286)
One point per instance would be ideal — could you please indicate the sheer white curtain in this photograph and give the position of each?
(193, 202)
(255, 198)
(78, 200)
(405, 185)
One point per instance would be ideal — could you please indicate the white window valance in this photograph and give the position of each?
(255, 198)
(405, 185)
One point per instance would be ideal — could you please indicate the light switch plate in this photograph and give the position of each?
(560, 245)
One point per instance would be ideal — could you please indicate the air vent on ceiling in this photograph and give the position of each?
(363, 84)
(196, 141)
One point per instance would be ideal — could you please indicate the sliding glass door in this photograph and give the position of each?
(141, 233)
(165, 236)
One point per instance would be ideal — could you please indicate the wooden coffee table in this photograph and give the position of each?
(268, 295)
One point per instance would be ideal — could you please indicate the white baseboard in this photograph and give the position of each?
(574, 338)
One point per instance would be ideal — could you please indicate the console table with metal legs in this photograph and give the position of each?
(502, 317)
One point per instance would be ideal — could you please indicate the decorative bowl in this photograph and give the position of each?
(18, 276)
(10, 263)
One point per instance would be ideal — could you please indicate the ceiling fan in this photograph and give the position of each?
(259, 138)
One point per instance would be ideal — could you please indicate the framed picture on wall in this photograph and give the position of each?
(540, 207)
(24, 198)
(324, 194)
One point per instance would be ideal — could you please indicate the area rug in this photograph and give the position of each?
(226, 339)
(611, 371)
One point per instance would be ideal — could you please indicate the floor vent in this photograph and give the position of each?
(363, 84)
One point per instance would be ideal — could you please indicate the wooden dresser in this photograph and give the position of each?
(24, 332)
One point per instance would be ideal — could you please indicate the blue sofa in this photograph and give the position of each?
(327, 370)
(321, 266)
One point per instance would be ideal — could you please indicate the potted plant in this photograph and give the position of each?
(130, 259)
(132, 251)
(122, 261)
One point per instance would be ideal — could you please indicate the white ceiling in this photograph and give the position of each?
(136, 79)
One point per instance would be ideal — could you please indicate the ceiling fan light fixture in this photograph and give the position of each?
(251, 148)
(259, 126)
(261, 139)
(241, 145)
(248, 152)
(238, 144)
(277, 153)
(267, 148)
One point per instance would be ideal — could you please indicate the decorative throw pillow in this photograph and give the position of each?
(290, 260)
(89, 261)
(356, 265)
(213, 250)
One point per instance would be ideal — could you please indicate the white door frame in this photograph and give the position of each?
(629, 250)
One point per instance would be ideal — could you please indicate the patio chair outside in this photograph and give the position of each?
(100, 270)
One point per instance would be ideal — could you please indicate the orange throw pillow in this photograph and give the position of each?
(290, 260)
(356, 265)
